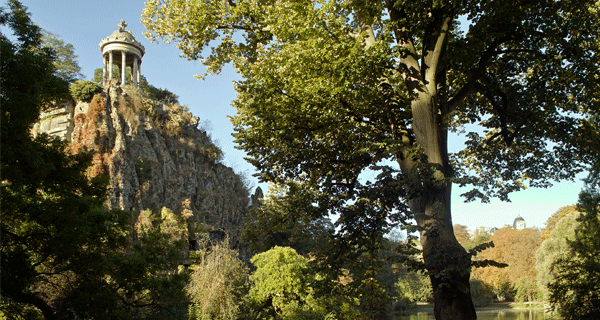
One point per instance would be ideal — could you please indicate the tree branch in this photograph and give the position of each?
(30, 299)
(408, 61)
(438, 36)
(236, 27)
(478, 71)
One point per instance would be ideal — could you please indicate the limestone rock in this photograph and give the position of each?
(156, 158)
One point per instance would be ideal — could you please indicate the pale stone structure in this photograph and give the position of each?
(519, 223)
(121, 49)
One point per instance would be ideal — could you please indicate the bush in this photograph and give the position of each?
(281, 287)
(481, 294)
(84, 90)
(218, 284)
(413, 287)
(527, 291)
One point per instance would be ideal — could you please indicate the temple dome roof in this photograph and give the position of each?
(122, 36)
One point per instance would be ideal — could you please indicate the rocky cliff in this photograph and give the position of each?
(156, 158)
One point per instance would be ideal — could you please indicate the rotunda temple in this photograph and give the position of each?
(121, 49)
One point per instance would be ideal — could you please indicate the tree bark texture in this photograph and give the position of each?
(447, 262)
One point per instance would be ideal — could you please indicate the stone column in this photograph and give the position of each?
(110, 65)
(123, 67)
(134, 73)
(104, 62)
(139, 70)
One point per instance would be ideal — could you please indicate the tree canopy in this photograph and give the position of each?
(555, 246)
(282, 286)
(575, 285)
(354, 101)
(517, 249)
(554, 220)
(65, 63)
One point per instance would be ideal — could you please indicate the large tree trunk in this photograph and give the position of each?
(446, 260)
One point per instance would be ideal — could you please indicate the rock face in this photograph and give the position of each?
(156, 158)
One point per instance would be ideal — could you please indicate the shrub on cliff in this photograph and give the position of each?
(84, 90)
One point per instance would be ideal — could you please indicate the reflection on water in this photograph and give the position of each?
(491, 315)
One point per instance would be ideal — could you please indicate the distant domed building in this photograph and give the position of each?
(519, 223)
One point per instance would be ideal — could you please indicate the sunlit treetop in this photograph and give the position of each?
(525, 73)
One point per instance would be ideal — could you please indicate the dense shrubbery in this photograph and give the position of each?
(413, 287)
(217, 285)
(148, 90)
(158, 94)
(84, 90)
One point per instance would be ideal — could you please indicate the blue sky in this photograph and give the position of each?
(85, 23)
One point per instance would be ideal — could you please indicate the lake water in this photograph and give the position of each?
(521, 314)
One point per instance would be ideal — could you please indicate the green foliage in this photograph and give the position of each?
(476, 240)
(374, 298)
(84, 90)
(97, 78)
(31, 85)
(575, 289)
(527, 291)
(284, 221)
(286, 218)
(281, 286)
(554, 248)
(158, 94)
(116, 73)
(65, 63)
(217, 285)
(335, 92)
(43, 265)
(481, 294)
(556, 217)
(62, 253)
(413, 287)
(297, 56)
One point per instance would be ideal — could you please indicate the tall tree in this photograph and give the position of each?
(575, 288)
(65, 64)
(555, 218)
(331, 89)
(555, 246)
(517, 249)
(461, 233)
